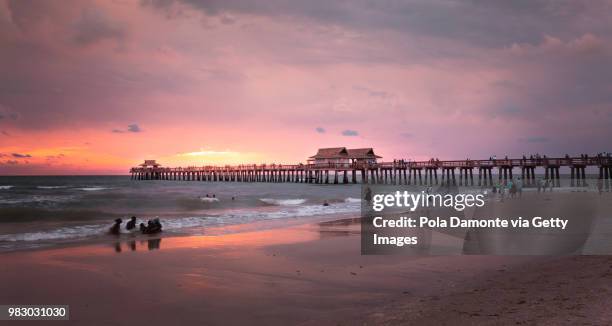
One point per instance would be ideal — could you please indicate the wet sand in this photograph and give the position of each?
(301, 275)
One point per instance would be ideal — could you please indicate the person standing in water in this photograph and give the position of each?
(519, 187)
(551, 184)
(512, 186)
(131, 224)
(116, 228)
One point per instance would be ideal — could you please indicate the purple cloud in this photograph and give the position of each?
(350, 133)
(134, 128)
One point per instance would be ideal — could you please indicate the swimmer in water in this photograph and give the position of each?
(131, 224)
(153, 226)
(116, 228)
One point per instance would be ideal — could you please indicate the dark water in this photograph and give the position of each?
(43, 209)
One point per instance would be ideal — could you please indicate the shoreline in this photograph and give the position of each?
(106, 238)
(305, 274)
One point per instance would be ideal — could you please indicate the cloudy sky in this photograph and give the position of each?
(98, 86)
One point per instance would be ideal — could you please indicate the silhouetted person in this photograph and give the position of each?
(116, 228)
(131, 223)
(153, 226)
(325, 203)
(150, 227)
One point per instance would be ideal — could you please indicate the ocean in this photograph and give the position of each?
(42, 211)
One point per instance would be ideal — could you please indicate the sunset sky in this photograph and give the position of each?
(94, 87)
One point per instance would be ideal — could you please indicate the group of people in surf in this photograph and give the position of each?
(153, 226)
(511, 187)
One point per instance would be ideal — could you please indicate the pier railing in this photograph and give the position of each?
(398, 171)
(400, 164)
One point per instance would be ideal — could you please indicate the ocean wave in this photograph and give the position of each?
(93, 188)
(6, 187)
(283, 202)
(36, 199)
(13, 201)
(246, 216)
(352, 200)
(51, 187)
(209, 199)
(182, 223)
(73, 232)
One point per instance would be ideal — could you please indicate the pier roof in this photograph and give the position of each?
(334, 152)
(362, 153)
(343, 152)
(150, 163)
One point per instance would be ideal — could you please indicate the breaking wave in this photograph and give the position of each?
(51, 187)
(93, 188)
(209, 199)
(283, 202)
(183, 224)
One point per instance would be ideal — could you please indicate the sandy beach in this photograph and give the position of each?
(310, 274)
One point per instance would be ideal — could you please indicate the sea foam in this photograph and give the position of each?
(183, 224)
(283, 202)
(51, 187)
(93, 188)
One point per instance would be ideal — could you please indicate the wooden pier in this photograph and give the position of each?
(432, 172)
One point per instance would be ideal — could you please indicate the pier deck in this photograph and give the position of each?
(397, 172)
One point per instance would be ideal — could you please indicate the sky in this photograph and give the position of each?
(95, 87)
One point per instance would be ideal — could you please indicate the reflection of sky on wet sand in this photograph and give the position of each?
(245, 239)
(104, 258)
(340, 228)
